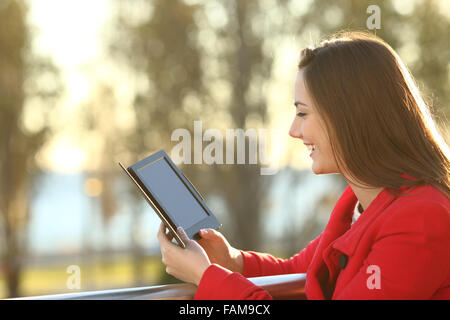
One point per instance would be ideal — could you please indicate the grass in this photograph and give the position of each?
(93, 276)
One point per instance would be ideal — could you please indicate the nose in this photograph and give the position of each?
(295, 130)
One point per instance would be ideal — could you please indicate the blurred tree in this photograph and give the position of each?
(20, 72)
(187, 53)
(102, 138)
(430, 62)
(248, 70)
(156, 42)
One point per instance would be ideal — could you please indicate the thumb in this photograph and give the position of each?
(209, 233)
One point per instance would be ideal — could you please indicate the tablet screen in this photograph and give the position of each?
(171, 192)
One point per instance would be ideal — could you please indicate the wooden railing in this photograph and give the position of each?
(289, 286)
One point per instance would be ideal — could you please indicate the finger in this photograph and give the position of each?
(161, 232)
(183, 235)
(169, 235)
(163, 238)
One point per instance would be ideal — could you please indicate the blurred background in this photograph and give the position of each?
(85, 84)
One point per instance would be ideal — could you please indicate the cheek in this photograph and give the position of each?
(307, 126)
(320, 135)
(313, 131)
(326, 150)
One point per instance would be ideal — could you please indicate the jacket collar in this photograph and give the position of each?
(338, 223)
(344, 239)
(350, 239)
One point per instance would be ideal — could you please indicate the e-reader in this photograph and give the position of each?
(171, 195)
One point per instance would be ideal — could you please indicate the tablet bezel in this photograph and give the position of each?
(155, 208)
(209, 221)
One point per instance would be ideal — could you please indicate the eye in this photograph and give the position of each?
(301, 114)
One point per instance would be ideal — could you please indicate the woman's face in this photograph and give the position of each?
(309, 127)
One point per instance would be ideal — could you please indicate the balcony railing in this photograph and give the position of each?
(289, 286)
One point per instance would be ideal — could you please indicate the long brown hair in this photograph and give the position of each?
(379, 126)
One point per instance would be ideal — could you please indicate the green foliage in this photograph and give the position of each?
(19, 145)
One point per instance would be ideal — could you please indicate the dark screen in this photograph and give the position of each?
(172, 194)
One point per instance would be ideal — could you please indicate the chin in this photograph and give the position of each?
(316, 169)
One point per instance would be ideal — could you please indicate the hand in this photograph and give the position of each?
(219, 250)
(186, 264)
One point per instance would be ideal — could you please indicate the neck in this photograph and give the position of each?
(365, 195)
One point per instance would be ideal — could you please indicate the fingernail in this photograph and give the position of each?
(204, 230)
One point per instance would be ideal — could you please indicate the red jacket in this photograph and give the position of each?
(399, 248)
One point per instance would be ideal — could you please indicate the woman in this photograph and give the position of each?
(360, 113)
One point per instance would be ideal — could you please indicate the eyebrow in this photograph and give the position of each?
(296, 103)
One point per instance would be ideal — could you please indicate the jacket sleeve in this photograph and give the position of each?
(409, 259)
(218, 283)
(262, 264)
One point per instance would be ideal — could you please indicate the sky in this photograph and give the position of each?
(70, 32)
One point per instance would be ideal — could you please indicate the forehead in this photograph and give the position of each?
(300, 91)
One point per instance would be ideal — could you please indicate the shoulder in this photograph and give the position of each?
(424, 209)
(423, 197)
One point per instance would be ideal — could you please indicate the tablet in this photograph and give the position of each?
(173, 197)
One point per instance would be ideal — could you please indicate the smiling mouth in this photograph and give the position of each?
(311, 147)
